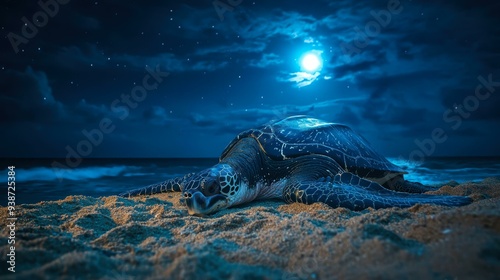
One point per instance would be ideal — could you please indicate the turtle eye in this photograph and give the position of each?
(211, 189)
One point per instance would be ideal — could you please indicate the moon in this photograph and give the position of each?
(310, 62)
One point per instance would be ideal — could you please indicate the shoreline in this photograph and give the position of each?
(154, 237)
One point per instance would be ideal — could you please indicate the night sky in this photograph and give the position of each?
(182, 78)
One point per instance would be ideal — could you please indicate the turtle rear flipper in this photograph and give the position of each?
(399, 184)
(341, 192)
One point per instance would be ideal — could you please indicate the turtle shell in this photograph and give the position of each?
(302, 135)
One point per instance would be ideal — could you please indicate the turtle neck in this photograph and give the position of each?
(246, 157)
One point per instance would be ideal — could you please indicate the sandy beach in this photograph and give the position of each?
(153, 237)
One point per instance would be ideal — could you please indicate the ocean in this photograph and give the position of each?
(37, 181)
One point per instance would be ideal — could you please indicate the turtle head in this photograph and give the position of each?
(212, 189)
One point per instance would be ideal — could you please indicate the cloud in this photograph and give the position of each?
(197, 21)
(289, 24)
(466, 132)
(203, 120)
(242, 47)
(156, 115)
(474, 108)
(27, 96)
(309, 40)
(402, 84)
(301, 79)
(76, 57)
(391, 112)
(348, 116)
(266, 60)
(87, 22)
(85, 112)
(208, 65)
(172, 63)
(412, 44)
(167, 61)
(237, 120)
(360, 67)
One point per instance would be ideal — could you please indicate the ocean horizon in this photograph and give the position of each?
(37, 180)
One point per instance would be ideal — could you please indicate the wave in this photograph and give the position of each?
(53, 174)
(404, 163)
(432, 171)
(134, 174)
(436, 171)
(96, 172)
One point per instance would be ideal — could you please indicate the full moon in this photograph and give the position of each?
(310, 62)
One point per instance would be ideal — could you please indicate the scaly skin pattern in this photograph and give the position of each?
(218, 179)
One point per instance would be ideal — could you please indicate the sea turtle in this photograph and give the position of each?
(299, 159)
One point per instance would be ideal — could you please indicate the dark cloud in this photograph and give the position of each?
(466, 132)
(27, 97)
(87, 113)
(241, 47)
(276, 22)
(465, 104)
(347, 115)
(361, 67)
(266, 60)
(389, 113)
(379, 86)
(233, 121)
(156, 115)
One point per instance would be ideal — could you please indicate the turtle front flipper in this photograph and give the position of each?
(171, 185)
(350, 191)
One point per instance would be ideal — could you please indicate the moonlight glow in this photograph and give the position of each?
(310, 62)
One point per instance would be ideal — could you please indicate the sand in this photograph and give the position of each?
(153, 237)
